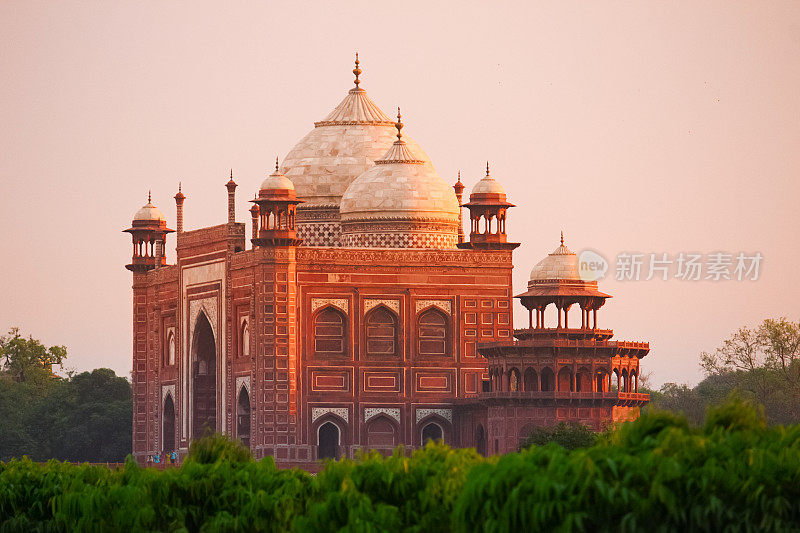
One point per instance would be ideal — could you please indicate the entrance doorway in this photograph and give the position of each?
(204, 379)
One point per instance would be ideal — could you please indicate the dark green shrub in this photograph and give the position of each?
(569, 436)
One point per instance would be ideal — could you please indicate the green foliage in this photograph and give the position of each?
(659, 473)
(84, 418)
(569, 436)
(218, 448)
(28, 359)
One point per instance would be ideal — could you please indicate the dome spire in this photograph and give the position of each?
(148, 198)
(487, 168)
(399, 124)
(276, 164)
(357, 71)
(562, 237)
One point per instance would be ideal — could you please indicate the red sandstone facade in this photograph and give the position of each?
(305, 352)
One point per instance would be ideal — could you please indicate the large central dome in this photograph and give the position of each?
(341, 147)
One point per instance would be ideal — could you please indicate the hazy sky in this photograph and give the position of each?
(651, 127)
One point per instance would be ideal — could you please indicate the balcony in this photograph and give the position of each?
(621, 398)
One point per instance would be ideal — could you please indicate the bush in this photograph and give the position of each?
(657, 473)
(569, 436)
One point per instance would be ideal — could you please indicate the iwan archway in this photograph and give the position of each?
(204, 379)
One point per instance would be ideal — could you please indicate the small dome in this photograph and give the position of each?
(562, 265)
(399, 190)
(276, 180)
(149, 212)
(401, 202)
(400, 185)
(488, 185)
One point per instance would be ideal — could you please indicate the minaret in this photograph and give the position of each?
(487, 213)
(179, 198)
(254, 216)
(459, 188)
(231, 186)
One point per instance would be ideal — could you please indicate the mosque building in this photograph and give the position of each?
(360, 316)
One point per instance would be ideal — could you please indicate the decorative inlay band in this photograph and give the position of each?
(371, 412)
(341, 303)
(444, 305)
(209, 307)
(447, 414)
(167, 389)
(242, 381)
(342, 412)
(394, 305)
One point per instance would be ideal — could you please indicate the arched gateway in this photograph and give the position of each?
(204, 379)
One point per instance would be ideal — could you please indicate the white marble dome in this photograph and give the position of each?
(488, 185)
(561, 265)
(341, 147)
(149, 212)
(396, 189)
(276, 180)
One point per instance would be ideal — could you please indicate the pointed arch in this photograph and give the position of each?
(330, 332)
(204, 377)
(480, 440)
(433, 333)
(583, 380)
(531, 380)
(382, 432)
(170, 355)
(548, 379)
(329, 438)
(382, 331)
(566, 381)
(243, 416)
(244, 336)
(168, 424)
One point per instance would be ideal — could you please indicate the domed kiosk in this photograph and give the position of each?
(148, 232)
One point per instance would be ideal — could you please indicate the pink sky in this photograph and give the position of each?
(633, 126)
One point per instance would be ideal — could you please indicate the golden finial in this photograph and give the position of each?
(148, 197)
(179, 186)
(399, 124)
(357, 71)
(459, 176)
(231, 173)
(276, 163)
(562, 237)
(487, 168)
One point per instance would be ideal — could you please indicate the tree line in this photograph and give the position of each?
(82, 417)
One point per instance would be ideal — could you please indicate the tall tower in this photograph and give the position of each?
(487, 214)
(459, 189)
(148, 228)
(148, 232)
(276, 293)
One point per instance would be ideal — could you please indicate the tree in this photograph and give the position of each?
(761, 363)
(28, 359)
